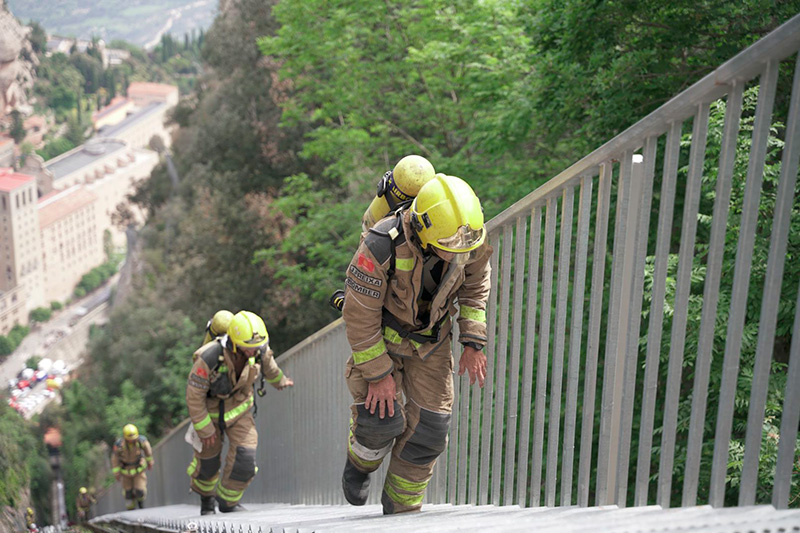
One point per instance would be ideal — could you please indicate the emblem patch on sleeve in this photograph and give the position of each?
(366, 263)
(363, 277)
(361, 289)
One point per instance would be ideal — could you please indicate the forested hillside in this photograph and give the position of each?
(302, 107)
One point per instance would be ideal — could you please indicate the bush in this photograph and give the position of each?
(40, 314)
(33, 361)
(56, 306)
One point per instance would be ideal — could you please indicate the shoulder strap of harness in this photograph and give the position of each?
(383, 244)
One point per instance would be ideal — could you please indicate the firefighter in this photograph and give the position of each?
(219, 395)
(130, 457)
(30, 520)
(217, 326)
(83, 503)
(402, 287)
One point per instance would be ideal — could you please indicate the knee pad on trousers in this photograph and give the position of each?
(129, 494)
(244, 466)
(138, 494)
(429, 438)
(208, 468)
(376, 433)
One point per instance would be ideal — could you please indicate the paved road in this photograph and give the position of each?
(66, 341)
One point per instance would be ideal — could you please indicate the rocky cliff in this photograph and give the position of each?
(16, 62)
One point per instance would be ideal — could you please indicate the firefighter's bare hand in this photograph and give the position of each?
(150, 465)
(285, 381)
(474, 361)
(381, 395)
(209, 441)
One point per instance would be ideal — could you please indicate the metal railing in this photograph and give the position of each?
(602, 329)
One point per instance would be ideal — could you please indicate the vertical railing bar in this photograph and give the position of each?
(502, 362)
(665, 213)
(708, 319)
(513, 386)
(790, 418)
(608, 442)
(463, 424)
(681, 306)
(527, 369)
(791, 404)
(769, 309)
(475, 435)
(576, 332)
(557, 375)
(453, 446)
(544, 350)
(635, 321)
(593, 339)
(488, 393)
(741, 283)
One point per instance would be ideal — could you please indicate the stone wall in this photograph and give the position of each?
(16, 62)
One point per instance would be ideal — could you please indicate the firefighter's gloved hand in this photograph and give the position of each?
(381, 394)
(337, 300)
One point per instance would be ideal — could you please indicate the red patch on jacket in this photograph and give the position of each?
(364, 261)
(202, 372)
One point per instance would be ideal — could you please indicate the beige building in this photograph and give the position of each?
(114, 113)
(108, 168)
(146, 93)
(72, 242)
(6, 151)
(20, 245)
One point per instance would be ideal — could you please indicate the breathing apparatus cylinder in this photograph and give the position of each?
(398, 185)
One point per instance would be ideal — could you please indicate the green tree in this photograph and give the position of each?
(41, 314)
(17, 131)
(37, 38)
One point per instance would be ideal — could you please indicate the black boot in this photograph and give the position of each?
(207, 505)
(140, 504)
(224, 507)
(355, 484)
(387, 503)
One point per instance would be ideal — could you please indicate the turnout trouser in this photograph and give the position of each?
(134, 488)
(415, 435)
(240, 462)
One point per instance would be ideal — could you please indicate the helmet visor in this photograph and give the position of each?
(464, 239)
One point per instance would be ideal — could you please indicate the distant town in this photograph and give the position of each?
(57, 215)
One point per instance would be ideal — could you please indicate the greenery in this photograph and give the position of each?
(55, 305)
(40, 314)
(94, 278)
(301, 106)
(9, 343)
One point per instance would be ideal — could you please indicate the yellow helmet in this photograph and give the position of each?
(447, 214)
(247, 330)
(409, 175)
(219, 323)
(130, 432)
(83, 490)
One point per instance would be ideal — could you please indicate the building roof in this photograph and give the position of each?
(150, 89)
(58, 205)
(84, 155)
(116, 103)
(10, 180)
(132, 119)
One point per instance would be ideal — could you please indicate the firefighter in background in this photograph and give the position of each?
(218, 325)
(130, 457)
(219, 395)
(396, 189)
(84, 503)
(402, 287)
(30, 520)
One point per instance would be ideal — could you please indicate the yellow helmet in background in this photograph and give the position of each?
(400, 184)
(247, 330)
(130, 432)
(83, 490)
(446, 214)
(219, 323)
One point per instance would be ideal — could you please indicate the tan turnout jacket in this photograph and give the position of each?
(131, 458)
(368, 290)
(202, 392)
